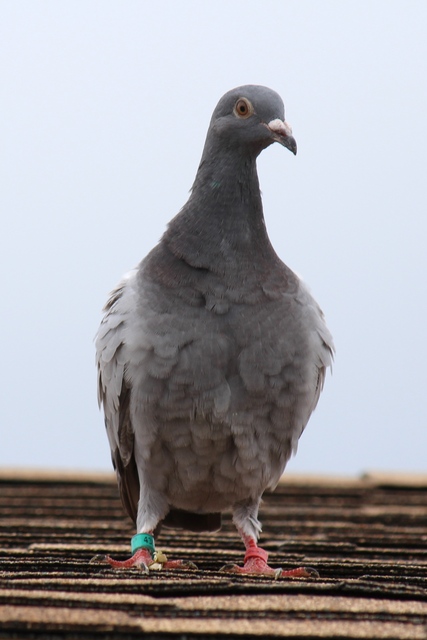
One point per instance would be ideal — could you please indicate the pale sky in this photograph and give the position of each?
(104, 111)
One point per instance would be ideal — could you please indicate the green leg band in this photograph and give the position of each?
(143, 541)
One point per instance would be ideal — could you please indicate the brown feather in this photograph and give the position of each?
(124, 460)
(128, 481)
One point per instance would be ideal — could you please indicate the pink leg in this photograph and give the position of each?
(255, 563)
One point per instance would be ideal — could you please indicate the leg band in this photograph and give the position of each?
(256, 552)
(143, 541)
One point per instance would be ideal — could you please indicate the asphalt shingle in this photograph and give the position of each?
(366, 537)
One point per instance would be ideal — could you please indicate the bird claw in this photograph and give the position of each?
(300, 572)
(259, 567)
(278, 573)
(185, 565)
(131, 563)
(229, 568)
(99, 558)
(119, 564)
(143, 567)
(141, 561)
(160, 561)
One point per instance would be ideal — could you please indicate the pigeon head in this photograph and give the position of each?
(251, 117)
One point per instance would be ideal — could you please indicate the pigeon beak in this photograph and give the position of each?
(282, 133)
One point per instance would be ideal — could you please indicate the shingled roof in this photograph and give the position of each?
(366, 537)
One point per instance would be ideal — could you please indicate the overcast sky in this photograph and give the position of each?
(104, 111)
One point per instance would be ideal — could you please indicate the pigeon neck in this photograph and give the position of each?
(228, 179)
(222, 224)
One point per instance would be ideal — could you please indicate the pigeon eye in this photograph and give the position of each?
(243, 108)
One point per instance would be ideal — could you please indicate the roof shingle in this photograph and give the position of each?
(366, 537)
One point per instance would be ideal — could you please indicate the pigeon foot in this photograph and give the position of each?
(143, 560)
(255, 563)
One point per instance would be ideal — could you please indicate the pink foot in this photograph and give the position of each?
(255, 563)
(143, 560)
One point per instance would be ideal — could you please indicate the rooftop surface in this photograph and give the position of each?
(366, 537)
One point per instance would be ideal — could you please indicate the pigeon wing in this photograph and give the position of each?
(114, 392)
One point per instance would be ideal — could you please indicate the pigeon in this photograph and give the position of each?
(212, 353)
